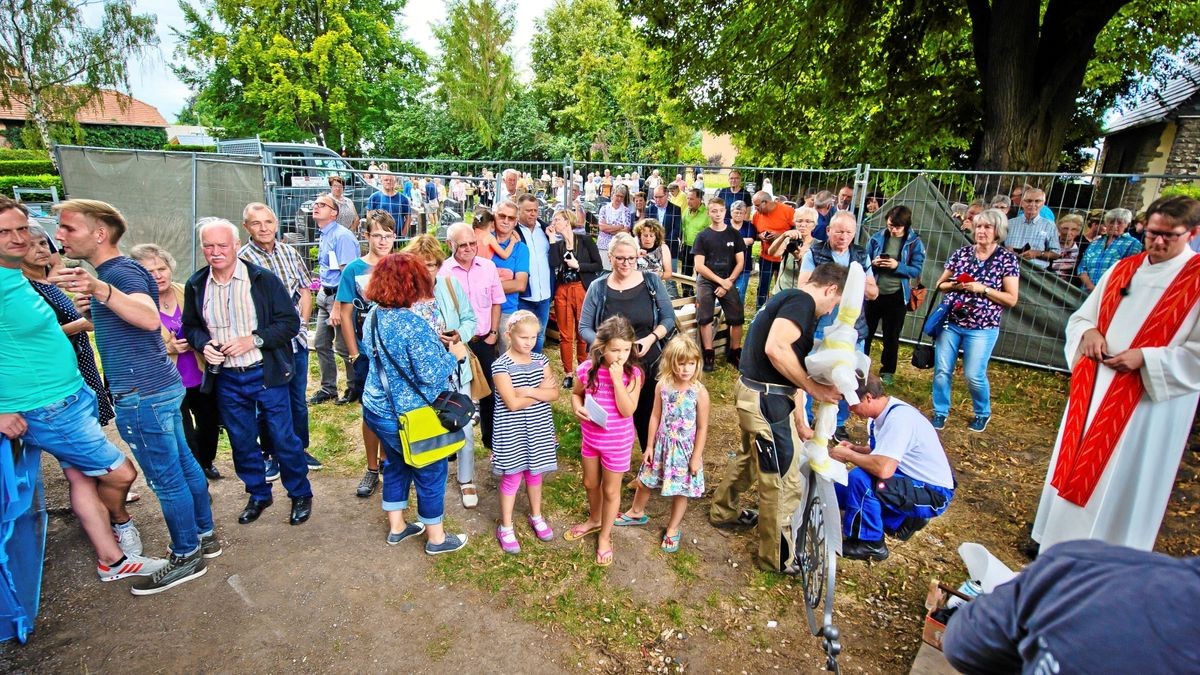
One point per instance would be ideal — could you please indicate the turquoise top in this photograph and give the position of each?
(40, 367)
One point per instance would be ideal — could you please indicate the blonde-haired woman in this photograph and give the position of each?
(451, 316)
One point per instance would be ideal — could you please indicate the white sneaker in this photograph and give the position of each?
(132, 566)
(470, 496)
(128, 538)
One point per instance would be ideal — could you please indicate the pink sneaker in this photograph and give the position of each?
(541, 528)
(508, 540)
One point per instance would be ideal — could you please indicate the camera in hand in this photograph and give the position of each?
(214, 368)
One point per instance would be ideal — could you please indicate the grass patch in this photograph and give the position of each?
(685, 565)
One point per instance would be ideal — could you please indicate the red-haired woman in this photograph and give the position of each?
(409, 365)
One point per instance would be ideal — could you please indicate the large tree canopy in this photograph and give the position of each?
(999, 85)
(475, 75)
(603, 88)
(297, 69)
(54, 63)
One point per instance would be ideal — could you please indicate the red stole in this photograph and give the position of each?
(1086, 451)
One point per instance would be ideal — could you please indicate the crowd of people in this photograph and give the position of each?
(229, 347)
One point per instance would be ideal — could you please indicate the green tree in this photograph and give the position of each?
(902, 82)
(602, 87)
(296, 69)
(475, 73)
(54, 63)
(427, 129)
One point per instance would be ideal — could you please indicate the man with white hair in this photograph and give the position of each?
(508, 185)
(241, 318)
(122, 301)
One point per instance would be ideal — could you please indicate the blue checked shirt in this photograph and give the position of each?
(284, 262)
(1101, 255)
(1040, 234)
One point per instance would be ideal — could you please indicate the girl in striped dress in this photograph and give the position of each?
(524, 444)
(607, 381)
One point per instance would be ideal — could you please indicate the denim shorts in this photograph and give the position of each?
(69, 430)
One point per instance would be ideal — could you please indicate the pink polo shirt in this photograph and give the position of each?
(482, 284)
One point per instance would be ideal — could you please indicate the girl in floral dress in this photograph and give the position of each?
(678, 431)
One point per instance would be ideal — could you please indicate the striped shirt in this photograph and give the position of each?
(523, 440)
(618, 434)
(229, 313)
(284, 262)
(133, 358)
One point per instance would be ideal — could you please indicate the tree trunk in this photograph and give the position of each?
(37, 114)
(1031, 75)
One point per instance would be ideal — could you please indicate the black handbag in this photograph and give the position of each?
(922, 357)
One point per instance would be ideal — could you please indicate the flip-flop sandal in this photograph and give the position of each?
(671, 544)
(624, 520)
(604, 558)
(579, 532)
(132, 497)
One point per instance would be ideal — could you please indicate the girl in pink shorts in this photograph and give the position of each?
(604, 397)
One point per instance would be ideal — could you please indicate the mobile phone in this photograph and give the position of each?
(884, 256)
(964, 278)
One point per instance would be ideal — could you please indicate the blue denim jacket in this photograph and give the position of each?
(413, 346)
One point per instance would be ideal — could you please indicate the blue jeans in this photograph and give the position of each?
(70, 431)
(766, 270)
(152, 426)
(866, 517)
(398, 476)
(976, 345)
(298, 400)
(240, 395)
(540, 309)
(743, 282)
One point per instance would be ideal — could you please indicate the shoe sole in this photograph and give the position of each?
(151, 591)
(272, 479)
(980, 430)
(125, 575)
(212, 554)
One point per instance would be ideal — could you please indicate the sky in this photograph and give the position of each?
(153, 82)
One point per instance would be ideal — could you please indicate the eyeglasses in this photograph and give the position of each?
(1167, 237)
(328, 206)
(382, 235)
(466, 244)
(625, 259)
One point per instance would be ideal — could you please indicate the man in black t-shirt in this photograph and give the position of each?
(772, 374)
(719, 256)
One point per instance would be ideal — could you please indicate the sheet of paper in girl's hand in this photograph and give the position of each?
(598, 414)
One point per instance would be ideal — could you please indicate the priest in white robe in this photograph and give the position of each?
(1121, 497)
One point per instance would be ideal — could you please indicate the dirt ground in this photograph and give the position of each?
(331, 596)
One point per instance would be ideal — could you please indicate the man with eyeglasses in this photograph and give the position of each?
(264, 250)
(1031, 235)
(1134, 348)
(517, 263)
(770, 220)
(479, 278)
(338, 248)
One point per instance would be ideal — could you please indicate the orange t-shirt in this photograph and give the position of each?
(777, 221)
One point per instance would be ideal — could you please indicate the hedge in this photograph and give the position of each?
(45, 180)
(26, 167)
(11, 154)
(1185, 189)
(189, 148)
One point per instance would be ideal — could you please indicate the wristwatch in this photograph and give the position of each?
(258, 341)
(492, 332)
